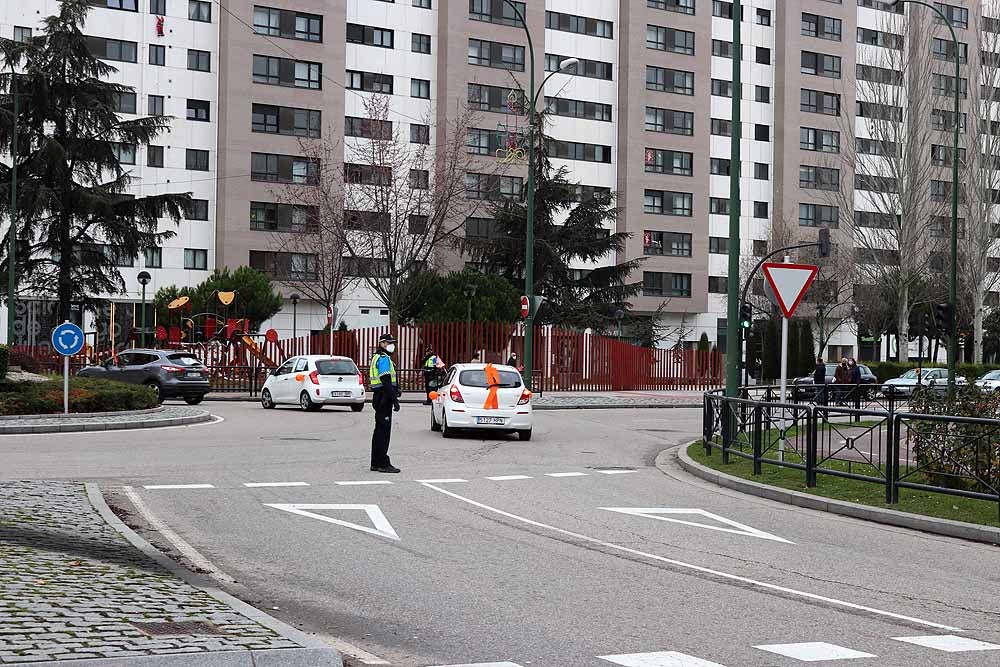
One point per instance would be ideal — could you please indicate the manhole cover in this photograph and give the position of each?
(185, 628)
(295, 439)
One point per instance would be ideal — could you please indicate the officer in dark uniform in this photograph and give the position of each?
(385, 400)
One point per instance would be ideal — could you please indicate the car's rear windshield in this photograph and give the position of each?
(336, 367)
(184, 359)
(508, 379)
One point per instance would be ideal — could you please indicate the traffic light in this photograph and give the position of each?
(942, 317)
(746, 315)
(824, 241)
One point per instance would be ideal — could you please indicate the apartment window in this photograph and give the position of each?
(125, 103)
(879, 111)
(158, 7)
(496, 99)
(22, 35)
(718, 285)
(941, 156)
(762, 55)
(420, 134)
(157, 55)
(875, 74)
(761, 132)
(417, 224)
(114, 49)
(195, 259)
(875, 147)
(288, 265)
(670, 39)
(679, 6)
(818, 215)
(370, 35)
(197, 209)
(367, 128)
(200, 10)
(586, 193)
(959, 16)
(888, 40)
(724, 10)
(941, 191)
(719, 166)
(420, 88)
(152, 258)
(669, 121)
(308, 27)
(490, 187)
(678, 82)
(722, 49)
(722, 128)
(198, 110)
(762, 16)
(196, 160)
(273, 71)
(422, 4)
(762, 94)
(820, 64)
(813, 139)
(760, 209)
(666, 284)
(944, 49)
(876, 220)
(127, 5)
(819, 178)
(156, 105)
(675, 163)
(718, 206)
(882, 5)
(124, 153)
(420, 43)
(823, 27)
(591, 69)
(663, 202)
(154, 156)
(759, 247)
(671, 244)
(944, 120)
(718, 245)
(575, 150)
(199, 61)
(496, 11)
(496, 55)
(761, 171)
(818, 101)
(269, 217)
(271, 119)
(722, 88)
(874, 183)
(944, 86)
(560, 106)
(581, 25)
(288, 24)
(369, 82)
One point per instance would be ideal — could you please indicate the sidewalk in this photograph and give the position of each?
(73, 588)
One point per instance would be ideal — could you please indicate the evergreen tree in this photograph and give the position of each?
(255, 299)
(75, 222)
(571, 299)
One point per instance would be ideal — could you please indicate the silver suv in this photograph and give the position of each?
(170, 373)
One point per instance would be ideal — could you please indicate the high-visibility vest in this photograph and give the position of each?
(431, 361)
(373, 377)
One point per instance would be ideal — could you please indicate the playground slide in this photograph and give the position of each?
(255, 350)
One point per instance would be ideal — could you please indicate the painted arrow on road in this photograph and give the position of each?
(658, 512)
(382, 527)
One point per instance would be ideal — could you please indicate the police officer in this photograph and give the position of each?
(432, 366)
(385, 400)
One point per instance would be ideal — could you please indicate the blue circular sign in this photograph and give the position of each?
(67, 339)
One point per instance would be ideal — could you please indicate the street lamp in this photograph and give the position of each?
(529, 236)
(953, 278)
(12, 232)
(470, 292)
(294, 298)
(144, 279)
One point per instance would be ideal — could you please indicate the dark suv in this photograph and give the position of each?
(170, 373)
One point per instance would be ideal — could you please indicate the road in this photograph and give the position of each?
(572, 550)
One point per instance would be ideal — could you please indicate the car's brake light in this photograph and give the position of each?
(525, 397)
(173, 369)
(455, 394)
(361, 378)
(314, 376)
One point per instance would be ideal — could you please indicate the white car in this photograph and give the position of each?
(314, 381)
(990, 380)
(459, 402)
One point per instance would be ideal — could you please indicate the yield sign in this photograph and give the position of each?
(789, 282)
(736, 527)
(380, 525)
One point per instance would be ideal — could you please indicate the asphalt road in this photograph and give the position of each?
(579, 548)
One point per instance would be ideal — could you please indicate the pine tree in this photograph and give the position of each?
(75, 220)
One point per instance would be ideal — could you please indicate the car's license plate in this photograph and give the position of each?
(192, 374)
(491, 420)
(340, 394)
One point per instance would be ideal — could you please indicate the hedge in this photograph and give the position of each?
(886, 370)
(85, 395)
(4, 359)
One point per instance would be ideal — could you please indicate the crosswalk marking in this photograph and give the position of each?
(153, 487)
(508, 478)
(370, 482)
(814, 651)
(264, 485)
(615, 472)
(660, 659)
(949, 643)
(565, 474)
(484, 664)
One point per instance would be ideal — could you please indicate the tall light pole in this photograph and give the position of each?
(734, 333)
(12, 231)
(470, 294)
(529, 234)
(953, 278)
(144, 279)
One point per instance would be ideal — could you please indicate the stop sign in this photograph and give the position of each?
(524, 307)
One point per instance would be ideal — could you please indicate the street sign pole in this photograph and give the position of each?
(784, 379)
(67, 340)
(65, 385)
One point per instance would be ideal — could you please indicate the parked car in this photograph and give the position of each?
(170, 373)
(804, 389)
(935, 379)
(458, 404)
(313, 381)
(990, 380)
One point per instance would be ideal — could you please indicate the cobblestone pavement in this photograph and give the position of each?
(70, 587)
(169, 415)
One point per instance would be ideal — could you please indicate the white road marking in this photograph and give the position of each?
(154, 487)
(660, 659)
(814, 651)
(949, 643)
(615, 472)
(382, 527)
(698, 568)
(508, 478)
(565, 474)
(452, 480)
(262, 485)
(370, 482)
(656, 512)
(484, 664)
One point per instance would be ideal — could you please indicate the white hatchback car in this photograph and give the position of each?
(314, 381)
(458, 404)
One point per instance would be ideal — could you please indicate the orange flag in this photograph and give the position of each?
(492, 381)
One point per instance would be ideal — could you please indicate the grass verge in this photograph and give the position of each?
(927, 503)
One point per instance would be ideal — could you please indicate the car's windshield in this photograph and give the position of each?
(831, 369)
(336, 367)
(992, 375)
(865, 370)
(508, 379)
(910, 374)
(184, 359)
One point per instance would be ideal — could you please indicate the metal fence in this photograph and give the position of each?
(877, 440)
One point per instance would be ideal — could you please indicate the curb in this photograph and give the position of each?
(314, 653)
(945, 527)
(83, 427)
(86, 415)
(418, 401)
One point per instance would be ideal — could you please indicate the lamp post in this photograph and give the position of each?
(529, 236)
(12, 231)
(294, 298)
(144, 279)
(953, 278)
(734, 333)
(470, 292)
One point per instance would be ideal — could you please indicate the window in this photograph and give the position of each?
(959, 16)
(876, 220)
(941, 156)
(888, 40)
(719, 166)
(370, 35)
(942, 119)
(494, 98)
(662, 202)
(420, 88)
(944, 49)
(198, 110)
(125, 103)
(158, 7)
(819, 178)
(366, 174)
(273, 71)
(480, 229)
(288, 24)
(199, 61)
(820, 64)
(156, 105)
(417, 224)
(875, 183)
(762, 94)
(420, 43)
(157, 55)
(422, 4)
(822, 27)
(22, 35)
(496, 55)
(197, 209)
(196, 259)
(489, 187)
(813, 139)
(666, 284)
(944, 86)
(722, 128)
(367, 221)
(118, 256)
(672, 244)
(892, 77)
(289, 121)
(760, 209)
(879, 111)
(761, 132)
(479, 141)
(581, 25)
(817, 215)
(114, 49)
(124, 153)
(669, 121)
(367, 128)
(762, 55)
(818, 101)
(496, 11)
(875, 147)
(369, 82)
(154, 156)
(678, 82)
(676, 163)
(560, 106)
(759, 247)
(152, 258)
(196, 160)
(574, 150)
(718, 206)
(308, 27)
(762, 16)
(591, 69)
(718, 245)
(127, 5)
(718, 285)
(670, 39)
(200, 10)
(420, 134)
(722, 49)
(724, 10)
(722, 88)
(270, 217)
(679, 6)
(586, 193)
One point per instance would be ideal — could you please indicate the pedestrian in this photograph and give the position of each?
(432, 365)
(842, 376)
(819, 381)
(852, 365)
(512, 360)
(385, 400)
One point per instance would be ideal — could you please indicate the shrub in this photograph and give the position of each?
(85, 395)
(4, 358)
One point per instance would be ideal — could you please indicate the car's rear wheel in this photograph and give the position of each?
(358, 407)
(194, 400)
(524, 435)
(156, 390)
(307, 403)
(435, 426)
(446, 432)
(266, 400)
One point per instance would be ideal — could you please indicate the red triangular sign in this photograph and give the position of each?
(789, 282)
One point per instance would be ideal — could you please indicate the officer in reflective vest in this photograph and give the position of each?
(432, 369)
(385, 400)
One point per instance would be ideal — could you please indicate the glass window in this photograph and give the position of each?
(199, 61)
(420, 134)
(124, 153)
(267, 21)
(420, 88)
(198, 110)
(196, 160)
(158, 7)
(153, 258)
(125, 103)
(156, 105)
(157, 54)
(200, 10)
(197, 209)
(154, 156)
(22, 35)
(195, 259)
(307, 75)
(421, 43)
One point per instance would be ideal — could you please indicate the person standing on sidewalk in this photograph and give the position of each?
(385, 400)
(819, 381)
